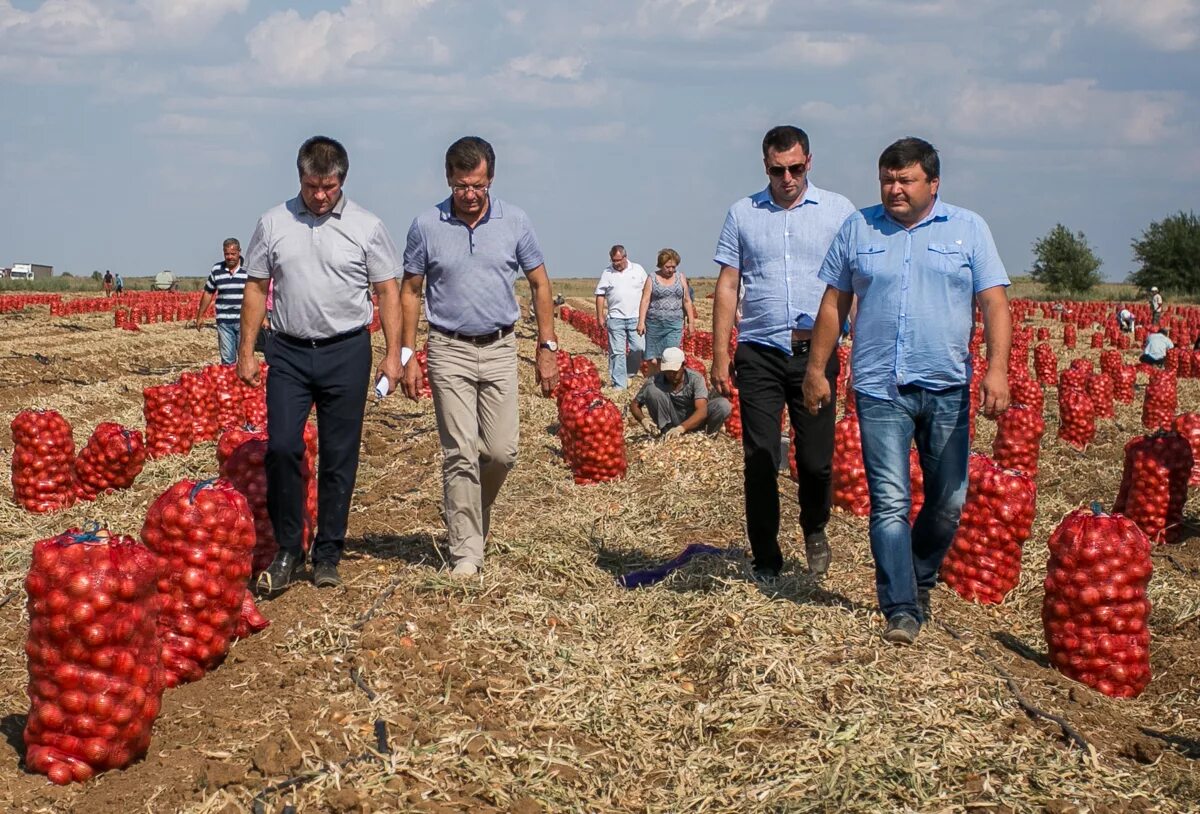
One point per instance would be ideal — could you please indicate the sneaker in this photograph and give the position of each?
(325, 575)
(901, 629)
(279, 574)
(925, 605)
(816, 551)
(464, 569)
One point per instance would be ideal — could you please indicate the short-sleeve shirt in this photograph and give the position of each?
(916, 292)
(778, 253)
(322, 267)
(622, 290)
(683, 400)
(1157, 345)
(229, 288)
(471, 273)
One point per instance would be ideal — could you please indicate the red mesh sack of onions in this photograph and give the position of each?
(1188, 426)
(95, 658)
(1095, 612)
(1160, 401)
(204, 535)
(1027, 391)
(849, 480)
(112, 458)
(1154, 484)
(42, 459)
(227, 390)
(1017, 445)
(1111, 362)
(596, 436)
(203, 403)
(984, 561)
(1100, 391)
(1045, 363)
(1070, 335)
(168, 421)
(733, 424)
(1124, 382)
(1076, 418)
(231, 439)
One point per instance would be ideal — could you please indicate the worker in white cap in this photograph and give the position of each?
(677, 400)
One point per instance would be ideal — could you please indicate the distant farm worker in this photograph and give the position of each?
(917, 266)
(120, 283)
(466, 252)
(108, 283)
(323, 252)
(1125, 320)
(677, 400)
(1158, 342)
(226, 282)
(666, 309)
(772, 244)
(1156, 305)
(618, 295)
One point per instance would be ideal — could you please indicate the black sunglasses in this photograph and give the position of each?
(795, 169)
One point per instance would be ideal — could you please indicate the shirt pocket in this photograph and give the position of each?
(868, 258)
(949, 260)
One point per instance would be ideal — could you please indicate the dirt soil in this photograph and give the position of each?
(543, 686)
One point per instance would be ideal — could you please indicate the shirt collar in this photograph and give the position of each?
(763, 199)
(495, 210)
(337, 210)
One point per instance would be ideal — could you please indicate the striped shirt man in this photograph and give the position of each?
(228, 287)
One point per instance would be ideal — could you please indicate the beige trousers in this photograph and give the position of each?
(475, 403)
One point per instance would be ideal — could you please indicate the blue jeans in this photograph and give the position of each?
(907, 558)
(620, 332)
(228, 334)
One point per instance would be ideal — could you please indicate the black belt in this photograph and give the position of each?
(303, 342)
(476, 339)
(800, 346)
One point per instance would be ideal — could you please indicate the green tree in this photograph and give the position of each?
(97, 276)
(1169, 251)
(1065, 263)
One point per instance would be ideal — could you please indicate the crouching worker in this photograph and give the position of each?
(677, 400)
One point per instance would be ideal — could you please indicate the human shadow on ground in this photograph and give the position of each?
(1012, 643)
(414, 549)
(12, 727)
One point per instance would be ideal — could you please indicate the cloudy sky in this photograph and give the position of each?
(137, 134)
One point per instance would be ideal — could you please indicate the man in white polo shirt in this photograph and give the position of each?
(618, 295)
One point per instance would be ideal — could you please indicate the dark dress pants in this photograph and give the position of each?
(334, 377)
(767, 380)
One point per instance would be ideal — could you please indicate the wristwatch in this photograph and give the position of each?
(550, 345)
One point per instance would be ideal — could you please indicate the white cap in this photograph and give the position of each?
(672, 359)
(1154, 288)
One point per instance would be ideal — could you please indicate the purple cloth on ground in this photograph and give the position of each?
(658, 573)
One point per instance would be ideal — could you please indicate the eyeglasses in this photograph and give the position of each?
(463, 189)
(796, 170)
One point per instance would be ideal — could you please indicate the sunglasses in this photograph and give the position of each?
(796, 170)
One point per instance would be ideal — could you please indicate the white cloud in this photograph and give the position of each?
(293, 50)
(1165, 25)
(568, 68)
(822, 51)
(190, 17)
(1075, 110)
(700, 16)
(71, 27)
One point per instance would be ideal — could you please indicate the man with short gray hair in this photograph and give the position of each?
(323, 253)
(618, 298)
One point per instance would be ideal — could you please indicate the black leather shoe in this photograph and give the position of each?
(325, 575)
(925, 605)
(817, 553)
(279, 574)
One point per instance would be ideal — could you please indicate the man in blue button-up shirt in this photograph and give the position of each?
(917, 266)
(773, 243)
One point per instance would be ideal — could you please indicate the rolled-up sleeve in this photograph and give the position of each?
(729, 250)
(258, 253)
(835, 270)
(529, 251)
(383, 261)
(416, 255)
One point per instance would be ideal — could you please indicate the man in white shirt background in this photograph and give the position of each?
(618, 295)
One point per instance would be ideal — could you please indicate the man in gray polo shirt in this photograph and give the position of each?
(466, 252)
(322, 252)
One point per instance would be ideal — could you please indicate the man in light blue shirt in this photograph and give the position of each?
(771, 247)
(1157, 345)
(917, 267)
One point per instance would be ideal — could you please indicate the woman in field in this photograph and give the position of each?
(666, 308)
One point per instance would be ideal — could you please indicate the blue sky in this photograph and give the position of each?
(137, 134)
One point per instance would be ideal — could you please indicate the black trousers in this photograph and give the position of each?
(335, 377)
(767, 380)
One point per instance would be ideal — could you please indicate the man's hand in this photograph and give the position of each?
(993, 393)
(390, 367)
(641, 328)
(674, 432)
(816, 391)
(722, 373)
(197, 323)
(411, 377)
(249, 370)
(547, 371)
